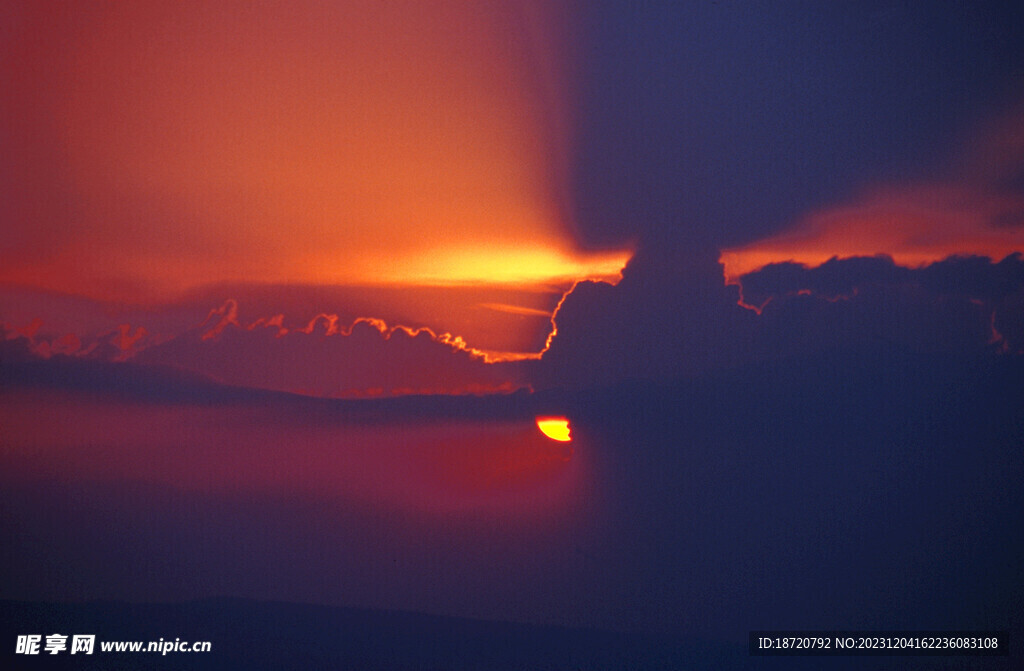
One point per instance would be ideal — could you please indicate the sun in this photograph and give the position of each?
(555, 428)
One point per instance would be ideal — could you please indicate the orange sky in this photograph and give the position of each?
(914, 225)
(976, 207)
(157, 147)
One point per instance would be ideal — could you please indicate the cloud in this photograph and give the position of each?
(973, 276)
(118, 344)
(654, 326)
(463, 330)
(930, 263)
(670, 315)
(958, 304)
(326, 357)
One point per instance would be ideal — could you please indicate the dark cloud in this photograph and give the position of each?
(833, 278)
(682, 320)
(670, 315)
(972, 276)
(959, 304)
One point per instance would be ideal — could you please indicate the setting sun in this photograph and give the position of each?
(555, 428)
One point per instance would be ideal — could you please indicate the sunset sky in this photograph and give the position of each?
(500, 308)
(159, 149)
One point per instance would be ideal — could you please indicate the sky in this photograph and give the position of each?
(324, 265)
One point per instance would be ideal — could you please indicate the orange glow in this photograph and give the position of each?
(555, 428)
(170, 146)
(976, 209)
(915, 226)
(531, 265)
(516, 310)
